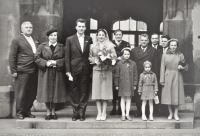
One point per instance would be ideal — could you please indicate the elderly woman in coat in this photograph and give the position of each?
(171, 78)
(51, 78)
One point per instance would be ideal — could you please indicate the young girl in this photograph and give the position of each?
(125, 81)
(148, 88)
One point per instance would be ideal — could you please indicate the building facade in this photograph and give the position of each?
(177, 18)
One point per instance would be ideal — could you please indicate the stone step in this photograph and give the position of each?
(112, 122)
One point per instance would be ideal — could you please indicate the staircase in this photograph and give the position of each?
(112, 122)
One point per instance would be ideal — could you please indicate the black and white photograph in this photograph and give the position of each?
(100, 68)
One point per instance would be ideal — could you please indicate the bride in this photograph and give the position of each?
(103, 57)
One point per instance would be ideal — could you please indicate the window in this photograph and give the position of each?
(161, 31)
(93, 28)
(131, 29)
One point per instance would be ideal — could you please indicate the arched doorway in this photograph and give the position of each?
(106, 13)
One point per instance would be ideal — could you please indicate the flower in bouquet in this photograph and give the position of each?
(105, 59)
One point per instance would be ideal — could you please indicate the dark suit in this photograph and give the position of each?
(21, 60)
(159, 109)
(139, 57)
(158, 47)
(118, 49)
(78, 65)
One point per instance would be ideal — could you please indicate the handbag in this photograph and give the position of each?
(156, 99)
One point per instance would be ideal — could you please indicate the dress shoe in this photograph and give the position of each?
(123, 118)
(176, 118)
(75, 117)
(144, 118)
(29, 115)
(21, 117)
(103, 118)
(128, 118)
(113, 112)
(98, 117)
(150, 117)
(82, 117)
(54, 117)
(48, 117)
(170, 117)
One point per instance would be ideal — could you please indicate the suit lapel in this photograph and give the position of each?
(77, 43)
(47, 48)
(142, 54)
(25, 42)
(57, 48)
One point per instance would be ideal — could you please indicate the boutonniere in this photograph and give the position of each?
(86, 41)
(37, 42)
(127, 65)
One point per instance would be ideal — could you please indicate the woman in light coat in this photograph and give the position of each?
(171, 78)
(102, 56)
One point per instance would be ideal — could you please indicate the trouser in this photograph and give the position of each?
(25, 87)
(79, 94)
(160, 109)
(115, 99)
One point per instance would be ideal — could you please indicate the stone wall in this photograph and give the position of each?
(182, 21)
(10, 28)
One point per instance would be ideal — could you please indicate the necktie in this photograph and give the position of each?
(52, 48)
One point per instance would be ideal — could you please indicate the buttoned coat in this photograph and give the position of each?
(126, 77)
(77, 61)
(139, 57)
(148, 85)
(118, 48)
(51, 81)
(171, 77)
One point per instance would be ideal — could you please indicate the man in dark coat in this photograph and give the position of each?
(24, 70)
(119, 45)
(155, 44)
(160, 109)
(155, 41)
(78, 69)
(139, 55)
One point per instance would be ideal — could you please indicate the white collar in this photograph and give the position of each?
(117, 42)
(78, 35)
(52, 44)
(155, 46)
(26, 36)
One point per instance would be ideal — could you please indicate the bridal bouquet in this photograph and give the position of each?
(104, 59)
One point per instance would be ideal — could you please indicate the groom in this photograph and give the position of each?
(78, 69)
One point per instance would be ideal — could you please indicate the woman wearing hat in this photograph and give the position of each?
(51, 78)
(171, 78)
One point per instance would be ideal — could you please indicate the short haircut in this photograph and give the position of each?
(144, 35)
(26, 22)
(81, 20)
(154, 34)
(165, 36)
(102, 30)
(118, 30)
